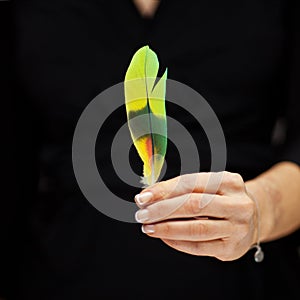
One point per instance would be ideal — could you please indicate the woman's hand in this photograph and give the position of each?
(207, 214)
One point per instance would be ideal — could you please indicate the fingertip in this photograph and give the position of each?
(143, 198)
(148, 229)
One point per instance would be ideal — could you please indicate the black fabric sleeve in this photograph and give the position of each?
(291, 149)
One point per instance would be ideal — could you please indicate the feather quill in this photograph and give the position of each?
(146, 113)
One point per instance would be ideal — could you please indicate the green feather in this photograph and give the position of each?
(146, 113)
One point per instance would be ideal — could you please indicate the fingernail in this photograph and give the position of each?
(143, 198)
(142, 215)
(148, 228)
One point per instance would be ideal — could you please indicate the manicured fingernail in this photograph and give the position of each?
(148, 228)
(142, 215)
(143, 198)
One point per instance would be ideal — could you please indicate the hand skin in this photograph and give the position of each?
(215, 214)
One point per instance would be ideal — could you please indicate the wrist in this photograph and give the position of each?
(259, 189)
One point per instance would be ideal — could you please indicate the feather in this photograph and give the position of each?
(146, 113)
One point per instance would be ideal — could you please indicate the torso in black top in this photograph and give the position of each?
(235, 53)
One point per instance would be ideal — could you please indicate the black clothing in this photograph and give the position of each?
(242, 56)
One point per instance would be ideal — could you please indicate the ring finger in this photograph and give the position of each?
(190, 230)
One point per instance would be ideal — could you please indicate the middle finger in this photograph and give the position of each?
(184, 206)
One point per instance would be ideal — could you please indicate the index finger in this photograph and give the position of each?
(189, 183)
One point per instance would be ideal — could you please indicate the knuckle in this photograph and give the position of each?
(233, 180)
(185, 182)
(225, 176)
(160, 189)
(242, 232)
(225, 179)
(198, 229)
(192, 205)
(161, 194)
(236, 181)
(247, 209)
(165, 229)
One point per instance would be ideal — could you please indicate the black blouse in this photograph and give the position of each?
(241, 56)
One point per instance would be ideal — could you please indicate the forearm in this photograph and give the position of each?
(277, 192)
